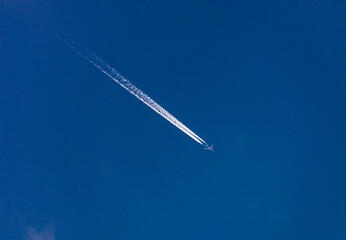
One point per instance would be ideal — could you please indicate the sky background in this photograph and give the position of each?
(81, 158)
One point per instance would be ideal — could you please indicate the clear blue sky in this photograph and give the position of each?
(81, 158)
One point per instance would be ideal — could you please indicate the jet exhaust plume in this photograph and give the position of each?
(113, 74)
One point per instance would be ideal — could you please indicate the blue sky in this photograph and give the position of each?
(81, 158)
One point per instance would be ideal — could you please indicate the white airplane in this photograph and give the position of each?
(209, 148)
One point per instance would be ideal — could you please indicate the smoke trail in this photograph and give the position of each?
(113, 74)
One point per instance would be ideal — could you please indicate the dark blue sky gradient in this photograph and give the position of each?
(262, 80)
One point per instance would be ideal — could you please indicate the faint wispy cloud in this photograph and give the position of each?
(46, 234)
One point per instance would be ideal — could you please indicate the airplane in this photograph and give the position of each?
(209, 148)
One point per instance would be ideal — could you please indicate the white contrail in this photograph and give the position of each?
(113, 74)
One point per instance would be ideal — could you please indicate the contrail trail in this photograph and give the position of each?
(113, 74)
